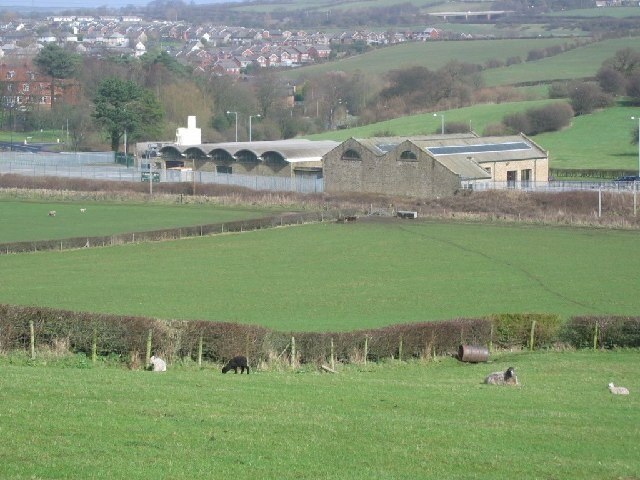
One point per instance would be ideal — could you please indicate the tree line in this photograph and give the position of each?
(148, 98)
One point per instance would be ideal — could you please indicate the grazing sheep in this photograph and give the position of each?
(235, 363)
(52, 213)
(502, 378)
(82, 210)
(618, 390)
(157, 364)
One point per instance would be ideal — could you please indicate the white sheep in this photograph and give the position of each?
(502, 378)
(82, 210)
(52, 213)
(158, 364)
(618, 390)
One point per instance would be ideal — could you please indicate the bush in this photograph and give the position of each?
(514, 330)
(456, 127)
(537, 120)
(549, 118)
(517, 122)
(587, 97)
(495, 129)
(611, 81)
(609, 332)
(558, 90)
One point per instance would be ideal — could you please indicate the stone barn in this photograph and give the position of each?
(396, 166)
(432, 166)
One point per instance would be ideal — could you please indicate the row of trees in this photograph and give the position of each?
(148, 98)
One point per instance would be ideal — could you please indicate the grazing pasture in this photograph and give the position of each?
(30, 220)
(386, 421)
(573, 64)
(341, 277)
(432, 55)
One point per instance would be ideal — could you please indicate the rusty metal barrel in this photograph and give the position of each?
(473, 354)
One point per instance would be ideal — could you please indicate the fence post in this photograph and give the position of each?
(595, 337)
(531, 335)
(149, 337)
(366, 349)
(491, 339)
(293, 351)
(94, 345)
(32, 339)
(333, 357)
(200, 351)
(400, 350)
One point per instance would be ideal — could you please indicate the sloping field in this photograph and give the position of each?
(426, 123)
(432, 55)
(392, 421)
(327, 277)
(598, 140)
(29, 220)
(574, 64)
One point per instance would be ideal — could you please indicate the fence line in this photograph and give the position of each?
(172, 233)
(102, 166)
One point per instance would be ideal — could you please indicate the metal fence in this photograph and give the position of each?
(92, 167)
(102, 166)
(556, 186)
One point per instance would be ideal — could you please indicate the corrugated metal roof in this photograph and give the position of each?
(293, 151)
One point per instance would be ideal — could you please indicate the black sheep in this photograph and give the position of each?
(237, 362)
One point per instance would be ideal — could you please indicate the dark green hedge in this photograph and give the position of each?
(127, 336)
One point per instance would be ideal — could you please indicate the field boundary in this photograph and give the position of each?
(175, 233)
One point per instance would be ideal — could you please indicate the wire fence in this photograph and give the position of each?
(102, 166)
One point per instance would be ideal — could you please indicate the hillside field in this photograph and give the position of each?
(432, 55)
(341, 277)
(29, 220)
(598, 140)
(397, 420)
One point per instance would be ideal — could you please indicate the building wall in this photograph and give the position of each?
(539, 169)
(387, 174)
(246, 168)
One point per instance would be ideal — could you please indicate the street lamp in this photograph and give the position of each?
(638, 118)
(442, 118)
(250, 117)
(236, 114)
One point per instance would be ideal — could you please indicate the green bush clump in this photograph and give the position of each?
(514, 329)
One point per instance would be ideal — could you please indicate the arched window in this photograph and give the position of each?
(408, 155)
(351, 155)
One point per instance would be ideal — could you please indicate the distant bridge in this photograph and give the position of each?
(485, 14)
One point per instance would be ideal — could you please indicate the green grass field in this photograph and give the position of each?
(573, 64)
(380, 421)
(598, 140)
(22, 221)
(326, 277)
(432, 55)
(427, 124)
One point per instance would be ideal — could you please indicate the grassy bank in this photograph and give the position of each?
(387, 421)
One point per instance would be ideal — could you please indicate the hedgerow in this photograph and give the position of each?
(133, 339)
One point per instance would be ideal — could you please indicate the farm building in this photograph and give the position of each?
(432, 166)
(283, 158)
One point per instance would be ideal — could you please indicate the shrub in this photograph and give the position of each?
(495, 129)
(549, 118)
(514, 330)
(558, 90)
(517, 122)
(586, 97)
(611, 81)
(610, 332)
(513, 61)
